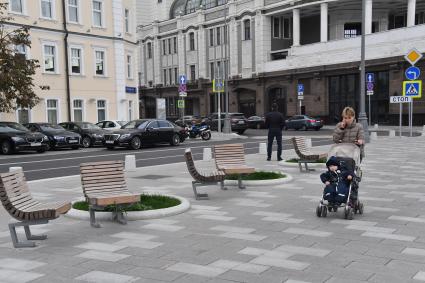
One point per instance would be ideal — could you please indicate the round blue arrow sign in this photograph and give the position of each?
(412, 73)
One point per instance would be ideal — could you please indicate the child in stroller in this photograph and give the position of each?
(341, 179)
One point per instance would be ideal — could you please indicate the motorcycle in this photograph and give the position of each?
(201, 130)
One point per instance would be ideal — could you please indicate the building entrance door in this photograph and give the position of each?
(278, 96)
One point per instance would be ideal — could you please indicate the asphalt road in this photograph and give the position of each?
(60, 163)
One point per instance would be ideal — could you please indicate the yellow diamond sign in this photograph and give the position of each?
(413, 56)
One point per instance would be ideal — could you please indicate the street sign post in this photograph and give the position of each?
(300, 91)
(182, 94)
(400, 100)
(218, 87)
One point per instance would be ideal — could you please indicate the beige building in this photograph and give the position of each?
(99, 38)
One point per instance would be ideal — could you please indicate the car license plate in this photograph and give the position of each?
(36, 144)
(241, 122)
(72, 141)
(109, 141)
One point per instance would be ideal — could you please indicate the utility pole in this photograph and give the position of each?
(362, 113)
(227, 128)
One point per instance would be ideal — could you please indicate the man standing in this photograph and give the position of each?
(274, 122)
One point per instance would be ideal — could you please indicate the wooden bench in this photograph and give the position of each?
(230, 158)
(304, 153)
(202, 179)
(19, 203)
(104, 184)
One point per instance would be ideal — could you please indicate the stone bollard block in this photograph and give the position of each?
(375, 126)
(262, 149)
(207, 155)
(13, 169)
(308, 143)
(392, 133)
(130, 163)
(373, 136)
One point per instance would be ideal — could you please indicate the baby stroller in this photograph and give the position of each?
(348, 156)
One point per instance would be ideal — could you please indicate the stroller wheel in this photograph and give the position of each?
(324, 211)
(346, 212)
(350, 213)
(335, 208)
(319, 211)
(360, 208)
(330, 208)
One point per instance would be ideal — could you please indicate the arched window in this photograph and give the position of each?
(192, 41)
(247, 29)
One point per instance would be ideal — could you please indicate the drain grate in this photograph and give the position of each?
(152, 177)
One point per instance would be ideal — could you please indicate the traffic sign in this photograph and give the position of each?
(412, 89)
(300, 88)
(400, 99)
(182, 94)
(182, 88)
(180, 103)
(413, 56)
(369, 92)
(370, 86)
(300, 97)
(182, 80)
(218, 85)
(370, 77)
(412, 73)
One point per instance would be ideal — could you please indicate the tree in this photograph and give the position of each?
(16, 71)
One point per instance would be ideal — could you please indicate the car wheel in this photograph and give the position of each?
(304, 128)
(6, 147)
(258, 126)
(175, 140)
(135, 143)
(182, 139)
(86, 142)
(317, 128)
(110, 147)
(241, 132)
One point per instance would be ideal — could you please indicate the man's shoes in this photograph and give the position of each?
(279, 159)
(268, 159)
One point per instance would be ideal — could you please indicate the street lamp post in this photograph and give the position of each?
(362, 114)
(227, 128)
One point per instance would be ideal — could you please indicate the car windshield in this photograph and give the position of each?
(12, 127)
(88, 126)
(51, 128)
(121, 123)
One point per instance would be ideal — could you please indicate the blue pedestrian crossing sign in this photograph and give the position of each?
(182, 80)
(370, 77)
(412, 89)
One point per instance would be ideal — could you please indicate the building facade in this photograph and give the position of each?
(268, 47)
(99, 39)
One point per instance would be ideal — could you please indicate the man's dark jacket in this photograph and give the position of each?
(274, 120)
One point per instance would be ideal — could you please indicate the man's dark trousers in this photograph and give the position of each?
(274, 132)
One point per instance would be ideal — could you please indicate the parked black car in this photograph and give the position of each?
(58, 136)
(256, 122)
(238, 122)
(90, 133)
(303, 122)
(145, 131)
(15, 137)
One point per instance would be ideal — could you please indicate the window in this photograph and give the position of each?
(286, 28)
(23, 115)
(212, 75)
(169, 46)
(247, 29)
(192, 41)
(164, 47)
(21, 50)
(352, 30)
(211, 37)
(52, 111)
(219, 73)
(170, 75)
(129, 67)
(192, 73)
(164, 124)
(130, 110)
(78, 110)
(175, 45)
(49, 55)
(165, 76)
(97, 13)
(101, 110)
(100, 63)
(175, 76)
(149, 50)
(276, 27)
(225, 34)
(73, 12)
(47, 9)
(76, 61)
(127, 20)
(218, 36)
(16, 6)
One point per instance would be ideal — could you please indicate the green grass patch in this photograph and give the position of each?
(147, 202)
(257, 176)
(295, 160)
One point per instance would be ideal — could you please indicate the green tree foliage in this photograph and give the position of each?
(16, 71)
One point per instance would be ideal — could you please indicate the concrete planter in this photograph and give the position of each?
(295, 165)
(134, 215)
(256, 183)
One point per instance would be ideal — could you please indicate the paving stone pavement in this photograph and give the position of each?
(260, 234)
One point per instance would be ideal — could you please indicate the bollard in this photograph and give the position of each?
(392, 133)
(375, 126)
(262, 149)
(207, 155)
(13, 169)
(373, 136)
(308, 143)
(130, 163)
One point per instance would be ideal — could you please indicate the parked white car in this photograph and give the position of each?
(111, 124)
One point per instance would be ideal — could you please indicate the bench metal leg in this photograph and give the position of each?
(118, 215)
(26, 224)
(222, 186)
(93, 222)
(300, 163)
(198, 196)
(240, 182)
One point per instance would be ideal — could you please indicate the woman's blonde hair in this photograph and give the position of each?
(348, 112)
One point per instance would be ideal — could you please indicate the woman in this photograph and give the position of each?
(349, 131)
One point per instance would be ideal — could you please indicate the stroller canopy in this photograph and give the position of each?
(349, 150)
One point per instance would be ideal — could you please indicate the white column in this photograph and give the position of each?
(368, 11)
(203, 68)
(234, 61)
(324, 22)
(411, 10)
(296, 27)
(262, 41)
